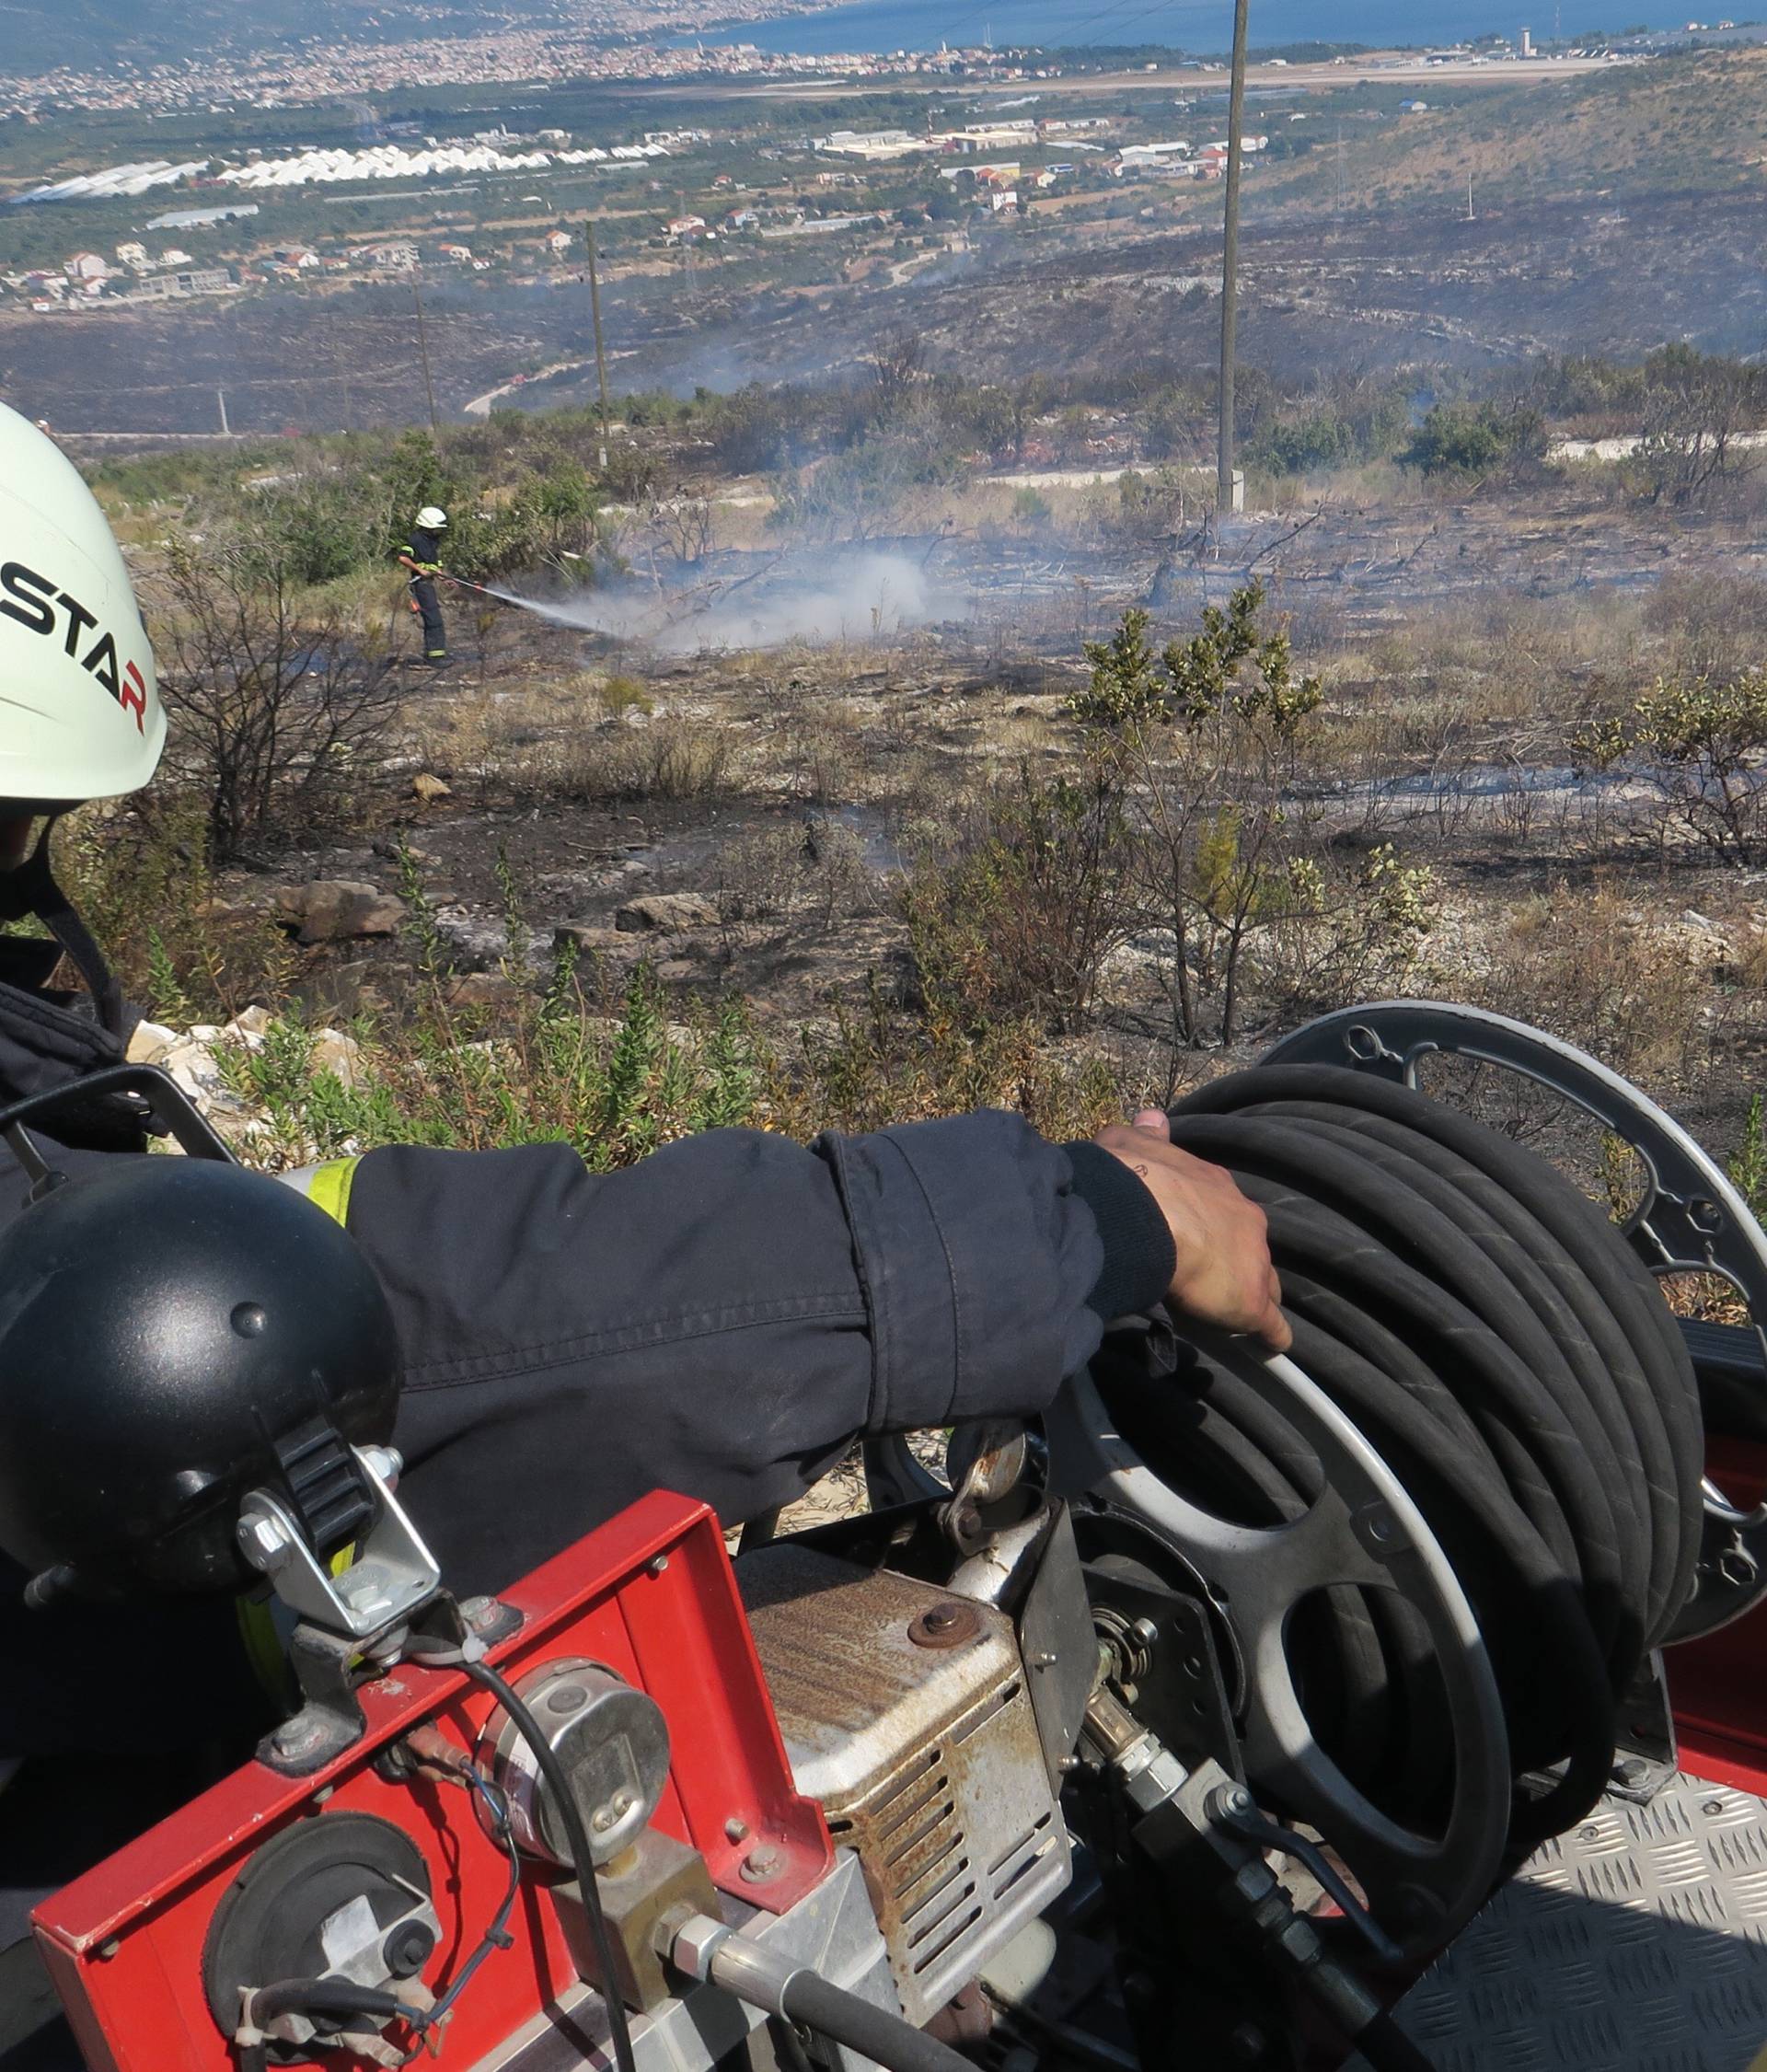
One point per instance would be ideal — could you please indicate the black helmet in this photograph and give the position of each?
(174, 1333)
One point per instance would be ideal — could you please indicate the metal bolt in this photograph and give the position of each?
(736, 1829)
(948, 1623)
(262, 1538)
(296, 1735)
(1631, 1769)
(605, 1818)
(657, 1564)
(1712, 1806)
(1044, 1660)
(1145, 1631)
(383, 1461)
(479, 1611)
(323, 1793)
(109, 1950)
(763, 1864)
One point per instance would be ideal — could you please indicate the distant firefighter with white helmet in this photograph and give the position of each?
(423, 556)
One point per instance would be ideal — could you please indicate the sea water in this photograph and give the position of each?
(1202, 26)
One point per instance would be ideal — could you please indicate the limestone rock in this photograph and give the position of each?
(150, 1042)
(430, 787)
(483, 988)
(337, 1053)
(667, 913)
(338, 910)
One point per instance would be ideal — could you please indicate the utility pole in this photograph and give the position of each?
(424, 352)
(1230, 264)
(1470, 218)
(221, 404)
(594, 314)
(343, 372)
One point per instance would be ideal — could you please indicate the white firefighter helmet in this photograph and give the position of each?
(433, 519)
(80, 716)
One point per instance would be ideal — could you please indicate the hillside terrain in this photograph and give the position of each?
(1684, 125)
(1613, 213)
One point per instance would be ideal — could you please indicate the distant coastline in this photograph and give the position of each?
(1201, 27)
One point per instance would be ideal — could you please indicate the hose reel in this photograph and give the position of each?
(1473, 1336)
(1689, 1219)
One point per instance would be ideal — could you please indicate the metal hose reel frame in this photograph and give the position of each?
(1690, 1218)
(1363, 1530)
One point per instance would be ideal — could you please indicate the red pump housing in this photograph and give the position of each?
(652, 1596)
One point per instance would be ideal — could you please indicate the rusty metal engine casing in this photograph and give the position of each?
(905, 1714)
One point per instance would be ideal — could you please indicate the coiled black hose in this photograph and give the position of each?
(1496, 1337)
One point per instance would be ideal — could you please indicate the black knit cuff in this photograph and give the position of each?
(1139, 1256)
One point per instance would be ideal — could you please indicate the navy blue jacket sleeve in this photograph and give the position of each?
(721, 1319)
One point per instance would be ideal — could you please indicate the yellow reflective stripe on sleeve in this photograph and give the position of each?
(330, 1188)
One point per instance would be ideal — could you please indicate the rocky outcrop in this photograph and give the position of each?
(667, 913)
(338, 910)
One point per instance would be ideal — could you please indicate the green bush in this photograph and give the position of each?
(1701, 743)
(1016, 923)
(1474, 439)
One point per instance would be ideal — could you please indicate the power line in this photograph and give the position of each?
(594, 312)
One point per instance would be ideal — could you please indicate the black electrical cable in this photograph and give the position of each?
(496, 1936)
(1495, 1337)
(582, 1861)
(787, 2049)
(326, 1997)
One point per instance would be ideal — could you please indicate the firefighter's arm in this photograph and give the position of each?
(725, 1317)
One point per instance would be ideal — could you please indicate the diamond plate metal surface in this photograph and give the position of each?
(1635, 1943)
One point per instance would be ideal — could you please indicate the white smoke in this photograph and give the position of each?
(843, 596)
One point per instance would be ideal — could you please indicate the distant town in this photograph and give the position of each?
(216, 240)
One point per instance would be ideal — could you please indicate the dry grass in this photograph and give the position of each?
(674, 757)
(1595, 965)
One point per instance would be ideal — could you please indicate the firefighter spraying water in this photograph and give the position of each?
(423, 556)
